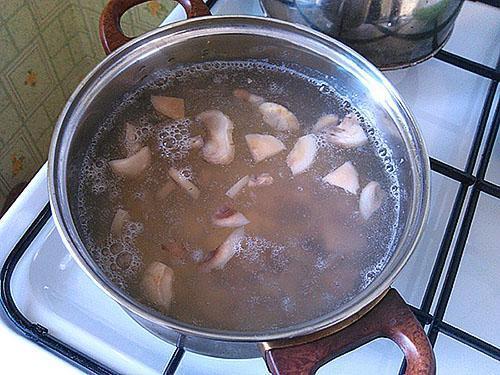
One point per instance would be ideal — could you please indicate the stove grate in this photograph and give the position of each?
(476, 183)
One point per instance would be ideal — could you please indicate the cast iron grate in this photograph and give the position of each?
(476, 183)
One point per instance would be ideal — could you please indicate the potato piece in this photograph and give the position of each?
(225, 251)
(121, 216)
(228, 217)
(169, 106)
(325, 122)
(263, 146)
(219, 149)
(370, 199)
(303, 154)
(348, 134)
(279, 117)
(133, 166)
(157, 284)
(248, 97)
(184, 183)
(236, 188)
(345, 177)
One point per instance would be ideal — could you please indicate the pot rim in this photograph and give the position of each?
(60, 203)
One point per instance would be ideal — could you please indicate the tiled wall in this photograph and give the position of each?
(46, 48)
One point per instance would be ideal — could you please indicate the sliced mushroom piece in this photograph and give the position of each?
(196, 142)
(132, 143)
(157, 284)
(279, 117)
(248, 97)
(121, 216)
(224, 252)
(134, 165)
(345, 177)
(164, 191)
(219, 149)
(169, 106)
(263, 146)
(184, 183)
(348, 134)
(263, 179)
(325, 122)
(303, 154)
(370, 199)
(236, 188)
(228, 217)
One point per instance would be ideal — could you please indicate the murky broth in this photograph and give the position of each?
(306, 249)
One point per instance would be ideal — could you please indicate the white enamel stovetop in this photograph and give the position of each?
(447, 101)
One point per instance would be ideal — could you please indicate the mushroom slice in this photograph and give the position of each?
(219, 149)
(263, 179)
(196, 142)
(134, 165)
(248, 97)
(345, 177)
(132, 143)
(121, 216)
(325, 122)
(228, 217)
(236, 188)
(165, 190)
(157, 284)
(224, 252)
(184, 183)
(370, 199)
(278, 117)
(263, 146)
(348, 134)
(303, 154)
(169, 106)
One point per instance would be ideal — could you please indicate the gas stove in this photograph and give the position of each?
(450, 281)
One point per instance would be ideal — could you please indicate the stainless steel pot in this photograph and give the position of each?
(377, 310)
(390, 33)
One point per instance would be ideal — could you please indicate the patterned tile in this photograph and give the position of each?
(44, 140)
(37, 123)
(75, 44)
(45, 10)
(4, 98)
(68, 18)
(30, 79)
(9, 7)
(150, 14)
(62, 62)
(9, 51)
(18, 161)
(22, 27)
(53, 37)
(10, 123)
(54, 104)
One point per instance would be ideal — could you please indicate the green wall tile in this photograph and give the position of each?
(67, 18)
(4, 97)
(30, 79)
(9, 7)
(10, 123)
(62, 62)
(9, 51)
(19, 161)
(53, 37)
(44, 10)
(54, 103)
(37, 123)
(22, 27)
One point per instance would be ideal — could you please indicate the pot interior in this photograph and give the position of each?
(240, 39)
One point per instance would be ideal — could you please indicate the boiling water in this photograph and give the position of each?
(306, 250)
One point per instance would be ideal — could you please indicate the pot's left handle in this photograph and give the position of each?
(110, 31)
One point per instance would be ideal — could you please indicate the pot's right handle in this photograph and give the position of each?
(390, 318)
(110, 31)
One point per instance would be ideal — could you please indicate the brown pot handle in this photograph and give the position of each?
(110, 30)
(390, 318)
